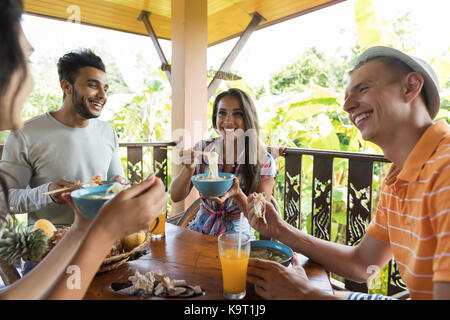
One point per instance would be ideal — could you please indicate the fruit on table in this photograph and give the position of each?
(131, 241)
(46, 226)
(19, 243)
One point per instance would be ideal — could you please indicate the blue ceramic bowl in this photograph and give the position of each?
(213, 188)
(89, 207)
(273, 245)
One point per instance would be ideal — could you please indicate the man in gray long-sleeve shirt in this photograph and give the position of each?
(57, 149)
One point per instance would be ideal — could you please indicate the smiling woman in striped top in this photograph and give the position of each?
(392, 99)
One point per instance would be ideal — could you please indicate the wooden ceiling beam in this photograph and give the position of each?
(144, 16)
(226, 65)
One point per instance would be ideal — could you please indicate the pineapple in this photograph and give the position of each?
(19, 243)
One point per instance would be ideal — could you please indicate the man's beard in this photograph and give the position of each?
(80, 106)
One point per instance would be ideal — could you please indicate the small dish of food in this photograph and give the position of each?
(271, 250)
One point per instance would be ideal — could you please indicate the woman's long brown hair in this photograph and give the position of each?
(250, 171)
(11, 59)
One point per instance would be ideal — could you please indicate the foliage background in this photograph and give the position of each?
(300, 105)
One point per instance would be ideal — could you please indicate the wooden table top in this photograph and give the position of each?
(187, 255)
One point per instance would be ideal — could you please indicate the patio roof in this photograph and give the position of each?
(227, 19)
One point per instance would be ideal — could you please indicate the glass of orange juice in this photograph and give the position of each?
(158, 227)
(233, 254)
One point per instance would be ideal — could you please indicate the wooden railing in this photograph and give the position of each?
(135, 160)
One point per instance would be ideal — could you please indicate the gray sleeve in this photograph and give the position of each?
(115, 167)
(17, 174)
(28, 200)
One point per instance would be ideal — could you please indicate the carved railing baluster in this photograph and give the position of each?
(359, 204)
(322, 197)
(135, 164)
(293, 191)
(160, 163)
(359, 199)
(395, 282)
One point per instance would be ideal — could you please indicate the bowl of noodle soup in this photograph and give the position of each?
(89, 200)
(271, 250)
(213, 186)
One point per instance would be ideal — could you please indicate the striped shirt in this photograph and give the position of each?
(216, 223)
(413, 213)
(365, 296)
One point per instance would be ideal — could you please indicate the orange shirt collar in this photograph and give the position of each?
(421, 153)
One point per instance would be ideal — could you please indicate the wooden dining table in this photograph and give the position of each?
(186, 255)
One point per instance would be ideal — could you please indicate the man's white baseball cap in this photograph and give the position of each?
(431, 82)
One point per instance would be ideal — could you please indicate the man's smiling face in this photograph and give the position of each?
(374, 103)
(89, 92)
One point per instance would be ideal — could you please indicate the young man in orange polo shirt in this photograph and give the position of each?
(392, 99)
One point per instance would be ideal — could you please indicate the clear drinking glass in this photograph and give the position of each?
(234, 254)
(158, 227)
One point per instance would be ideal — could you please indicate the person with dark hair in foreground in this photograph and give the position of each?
(87, 243)
(62, 148)
(392, 99)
